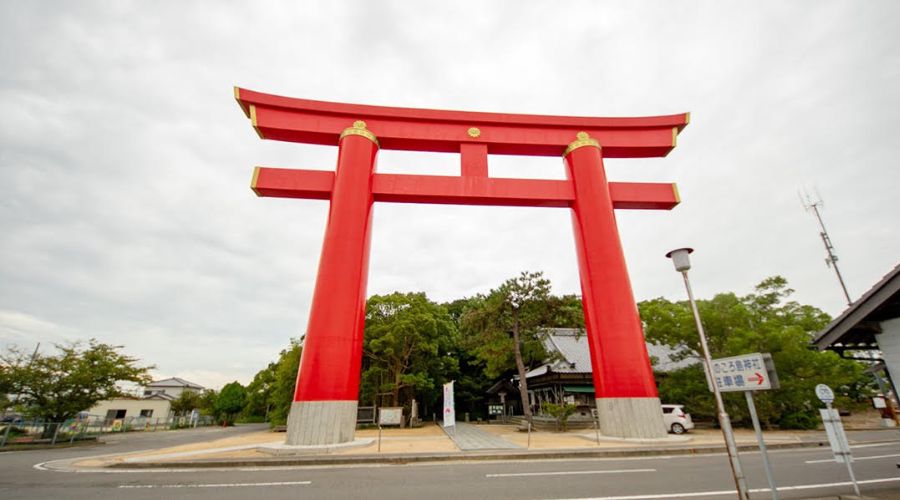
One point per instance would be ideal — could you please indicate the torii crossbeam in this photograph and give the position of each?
(325, 400)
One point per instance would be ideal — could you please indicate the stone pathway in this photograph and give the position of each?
(469, 437)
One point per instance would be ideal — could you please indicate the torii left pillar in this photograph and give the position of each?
(324, 407)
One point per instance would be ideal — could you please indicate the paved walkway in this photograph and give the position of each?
(469, 437)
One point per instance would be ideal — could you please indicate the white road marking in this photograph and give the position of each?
(214, 485)
(569, 473)
(854, 458)
(731, 492)
(873, 445)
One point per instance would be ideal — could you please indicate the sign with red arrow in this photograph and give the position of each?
(757, 377)
(748, 372)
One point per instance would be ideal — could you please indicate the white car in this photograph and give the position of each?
(677, 421)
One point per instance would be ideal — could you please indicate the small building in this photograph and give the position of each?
(150, 408)
(171, 388)
(567, 375)
(869, 330)
(156, 402)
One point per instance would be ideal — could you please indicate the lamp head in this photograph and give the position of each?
(681, 259)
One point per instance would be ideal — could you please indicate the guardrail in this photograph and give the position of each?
(38, 432)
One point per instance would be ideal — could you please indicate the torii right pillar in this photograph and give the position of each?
(627, 400)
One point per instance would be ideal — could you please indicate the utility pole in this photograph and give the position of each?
(813, 205)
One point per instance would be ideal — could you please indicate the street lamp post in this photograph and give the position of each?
(680, 257)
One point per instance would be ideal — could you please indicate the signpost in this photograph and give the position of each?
(748, 373)
(835, 430)
(389, 416)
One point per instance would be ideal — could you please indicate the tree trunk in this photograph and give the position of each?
(520, 365)
(395, 392)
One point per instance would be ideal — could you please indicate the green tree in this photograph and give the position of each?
(282, 392)
(503, 329)
(259, 393)
(231, 401)
(560, 412)
(763, 321)
(207, 402)
(408, 343)
(186, 402)
(57, 387)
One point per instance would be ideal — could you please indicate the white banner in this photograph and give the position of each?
(449, 410)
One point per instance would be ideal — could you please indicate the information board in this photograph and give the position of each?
(390, 416)
(747, 372)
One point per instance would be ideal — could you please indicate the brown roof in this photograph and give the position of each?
(856, 328)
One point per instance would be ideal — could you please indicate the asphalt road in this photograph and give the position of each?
(700, 476)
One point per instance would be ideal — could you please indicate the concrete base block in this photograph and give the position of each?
(282, 450)
(667, 440)
(634, 418)
(321, 423)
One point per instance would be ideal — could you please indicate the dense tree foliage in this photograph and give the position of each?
(413, 345)
(259, 394)
(186, 402)
(271, 392)
(57, 387)
(763, 321)
(408, 350)
(504, 328)
(230, 401)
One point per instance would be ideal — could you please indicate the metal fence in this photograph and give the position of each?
(38, 432)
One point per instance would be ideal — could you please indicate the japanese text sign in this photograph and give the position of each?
(747, 372)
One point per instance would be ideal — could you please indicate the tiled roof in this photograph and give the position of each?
(570, 349)
(174, 382)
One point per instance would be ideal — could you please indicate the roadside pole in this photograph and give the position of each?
(835, 431)
(762, 444)
(389, 416)
(682, 265)
(748, 373)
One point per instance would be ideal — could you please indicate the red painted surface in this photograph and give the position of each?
(330, 366)
(316, 122)
(401, 188)
(332, 351)
(621, 365)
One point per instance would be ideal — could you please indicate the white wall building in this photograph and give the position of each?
(156, 402)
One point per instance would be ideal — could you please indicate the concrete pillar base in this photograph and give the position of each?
(636, 418)
(316, 423)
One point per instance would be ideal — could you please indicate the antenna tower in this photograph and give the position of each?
(812, 205)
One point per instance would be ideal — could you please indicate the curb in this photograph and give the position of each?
(487, 455)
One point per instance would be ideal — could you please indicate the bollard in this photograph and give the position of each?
(529, 435)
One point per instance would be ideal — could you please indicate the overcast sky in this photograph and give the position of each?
(125, 205)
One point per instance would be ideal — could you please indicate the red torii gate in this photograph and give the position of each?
(325, 401)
